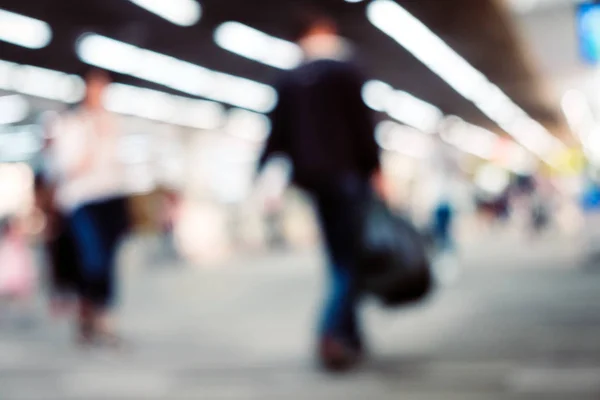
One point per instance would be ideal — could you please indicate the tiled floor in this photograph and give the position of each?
(520, 322)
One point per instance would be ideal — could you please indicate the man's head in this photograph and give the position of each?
(311, 24)
(317, 35)
(96, 82)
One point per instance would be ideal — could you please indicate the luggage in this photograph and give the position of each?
(393, 258)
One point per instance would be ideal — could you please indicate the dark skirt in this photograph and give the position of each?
(98, 229)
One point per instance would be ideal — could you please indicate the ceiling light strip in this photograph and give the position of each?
(24, 31)
(401, 106)
(178, 12)
(159, 106)
(13, 109)
(171, 72)
(432, 51)
(257, 45)
(41, 82)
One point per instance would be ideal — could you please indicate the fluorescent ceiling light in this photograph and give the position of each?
(258, 46)
(487, 145)
(13, 109)
(248, 125)
(41, 82)
(534, 137)
(425, 117)
(401, 106)
(19, 142)
(163, 107)
(177, 74)
(402, 139)
(179, 12)
(470, 138)
(375, 94)
(579, 114)
(24, 31)
(432, 51)
(414, 112)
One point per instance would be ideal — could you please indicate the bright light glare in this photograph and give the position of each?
(41, 82)
(577, 110)
(258, 46)
(432, 51)
(16, 181)
(485, 144)
(248, 125)
(582, 121)
(401, 106)
(492, 179)
(177, 74)
(414, 112)
(163, 107)
(402, 139)
(592, 145)
(18, 143)
(13, 109)
(519, 160)
(375, 93)
(179, 12)
(24, 31)
(470, 138)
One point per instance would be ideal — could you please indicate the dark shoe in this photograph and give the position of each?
(337, 356)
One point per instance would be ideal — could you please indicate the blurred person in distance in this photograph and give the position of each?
(540, 207)
(444, 178)
(322, 125)
(90, 193)
(17, 272)
(170, 204)
(275, 223)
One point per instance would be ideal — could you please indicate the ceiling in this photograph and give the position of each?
(479, 30)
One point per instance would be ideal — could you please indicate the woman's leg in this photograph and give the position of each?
(113, 213)
(87, 238)
(97, 229)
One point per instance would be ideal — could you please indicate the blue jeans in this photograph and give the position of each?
(97, 229)
(338, 207)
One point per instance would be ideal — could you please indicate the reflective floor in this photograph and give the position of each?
(520, 321)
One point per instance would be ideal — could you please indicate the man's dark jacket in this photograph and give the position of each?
(322, 124)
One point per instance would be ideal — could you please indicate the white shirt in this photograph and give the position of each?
(84, 159)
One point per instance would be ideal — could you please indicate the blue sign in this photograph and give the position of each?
(589, 32)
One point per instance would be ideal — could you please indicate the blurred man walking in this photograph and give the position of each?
(323, 126)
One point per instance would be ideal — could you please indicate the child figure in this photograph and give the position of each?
(17, 274)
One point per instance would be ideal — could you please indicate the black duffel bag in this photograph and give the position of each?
(393, 258)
